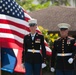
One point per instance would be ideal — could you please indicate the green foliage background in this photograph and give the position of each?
(30, 6)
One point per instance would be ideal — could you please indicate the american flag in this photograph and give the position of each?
(13, 27)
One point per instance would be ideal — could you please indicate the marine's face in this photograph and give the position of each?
(64, 33)
(33, 28)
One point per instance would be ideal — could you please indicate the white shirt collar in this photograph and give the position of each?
(33, 34)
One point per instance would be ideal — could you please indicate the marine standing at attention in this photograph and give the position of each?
(64, 52)
(33, 43)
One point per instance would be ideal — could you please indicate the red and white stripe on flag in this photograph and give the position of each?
(18, 67)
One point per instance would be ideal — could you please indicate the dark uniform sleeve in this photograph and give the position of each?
(43, 48)
(74, 48)
(24, 49)
(53, 58)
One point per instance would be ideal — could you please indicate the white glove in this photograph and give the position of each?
(52, 69)
(70, 60)
(43, 65)
(22, 65)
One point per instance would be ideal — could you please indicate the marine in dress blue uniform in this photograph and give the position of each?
(32, 56)
(64, 52)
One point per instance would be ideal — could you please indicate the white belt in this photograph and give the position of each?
(64, 54)
(33, 51)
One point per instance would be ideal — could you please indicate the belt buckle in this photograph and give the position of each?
(33, 50)
(62, 54)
